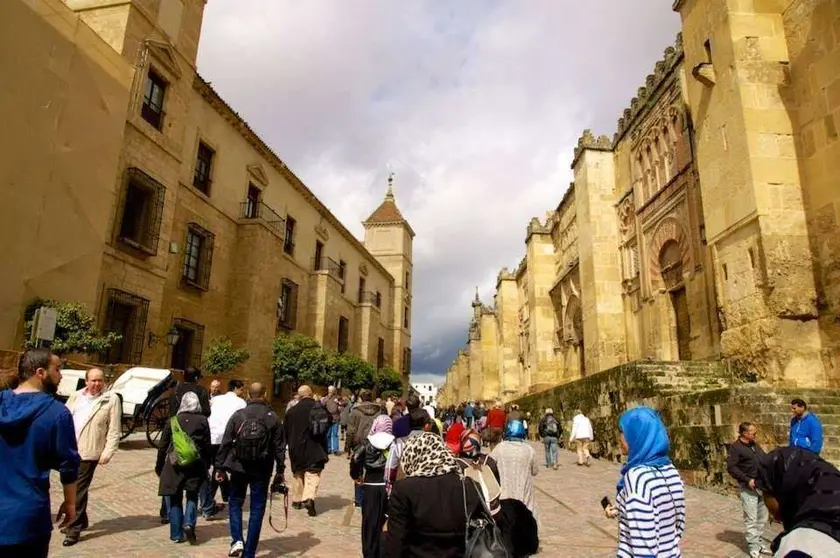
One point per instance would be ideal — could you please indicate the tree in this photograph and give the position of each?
(349, 369)
(75, 329)
(298, 358)
(223, 357)
(387, 379)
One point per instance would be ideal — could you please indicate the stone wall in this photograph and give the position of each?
(700, 404)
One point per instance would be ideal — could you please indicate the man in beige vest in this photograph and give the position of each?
(96, 415)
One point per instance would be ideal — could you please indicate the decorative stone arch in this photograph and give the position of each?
(573, 321)
(669, 253)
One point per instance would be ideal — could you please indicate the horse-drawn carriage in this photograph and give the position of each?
(144, 393)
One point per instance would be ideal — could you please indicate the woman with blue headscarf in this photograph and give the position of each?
(517, 463)
(650, 500)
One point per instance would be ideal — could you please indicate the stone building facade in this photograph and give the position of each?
(704, 229)
(205, 229)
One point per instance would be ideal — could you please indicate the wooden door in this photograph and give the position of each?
(680, 302)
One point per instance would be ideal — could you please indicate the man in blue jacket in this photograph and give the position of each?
(36, 435)
(806, 430)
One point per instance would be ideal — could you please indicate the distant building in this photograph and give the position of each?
(428, 393)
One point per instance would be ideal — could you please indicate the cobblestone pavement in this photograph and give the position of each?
(124, 520)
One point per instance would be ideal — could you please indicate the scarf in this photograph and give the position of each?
(425, 455)
(189, 404)
(806, 487)
(647, 439)
(382, 423)
(470, 444)
(431, 410)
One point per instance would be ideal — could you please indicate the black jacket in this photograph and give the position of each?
(174, 477)
(368, 463)
(226, 457)
(426, 517)
(306, 452)
(184, 388)
(742, 462)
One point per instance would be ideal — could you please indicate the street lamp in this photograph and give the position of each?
(173, 336)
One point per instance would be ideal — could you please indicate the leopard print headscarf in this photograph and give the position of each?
(425, 455)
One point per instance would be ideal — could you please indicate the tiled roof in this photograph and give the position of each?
(387, 212)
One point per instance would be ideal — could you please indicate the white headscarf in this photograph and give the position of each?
(189, 403)
(431, 410)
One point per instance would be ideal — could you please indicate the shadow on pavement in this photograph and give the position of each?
(329, 503)
(120, 525)
(735, 538)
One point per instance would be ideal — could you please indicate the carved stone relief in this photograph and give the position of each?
(671, 235)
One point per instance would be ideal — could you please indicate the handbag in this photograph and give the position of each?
(483, 536)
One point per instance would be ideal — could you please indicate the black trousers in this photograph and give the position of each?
(39, 548)
(86, 469)
(373, 518)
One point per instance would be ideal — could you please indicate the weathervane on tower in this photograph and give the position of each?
(389, 195)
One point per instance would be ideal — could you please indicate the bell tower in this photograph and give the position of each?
(389, 238)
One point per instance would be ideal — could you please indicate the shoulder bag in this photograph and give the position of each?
(483, 536)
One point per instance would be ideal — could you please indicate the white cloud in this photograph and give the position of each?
(476, 106)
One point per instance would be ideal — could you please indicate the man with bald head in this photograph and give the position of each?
(253, 443)
(97, 417)
(307, 451)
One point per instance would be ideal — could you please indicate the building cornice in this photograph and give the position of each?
(588, 141)
(220, 105)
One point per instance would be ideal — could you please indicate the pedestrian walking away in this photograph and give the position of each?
(582, 435)
(550, 431)
(367, 468)
(253, 445)
(97, 419)
(307, 451)
(222, 407)
(182, 463)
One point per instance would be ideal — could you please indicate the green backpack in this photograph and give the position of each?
(183, 447)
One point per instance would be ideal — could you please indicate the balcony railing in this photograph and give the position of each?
(251, 209)
(329, 265)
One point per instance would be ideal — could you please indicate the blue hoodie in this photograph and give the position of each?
(806, 433)
(36, 435)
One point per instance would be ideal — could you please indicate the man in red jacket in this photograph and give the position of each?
(495, 424)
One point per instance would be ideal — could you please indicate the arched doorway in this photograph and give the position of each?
(671, 268)
(574, 331)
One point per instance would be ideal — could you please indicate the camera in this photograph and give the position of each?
(279, 488)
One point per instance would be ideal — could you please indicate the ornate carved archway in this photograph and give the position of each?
(671, 235)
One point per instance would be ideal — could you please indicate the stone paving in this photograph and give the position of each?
(124, 516)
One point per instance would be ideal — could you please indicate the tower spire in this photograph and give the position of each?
(477, 301)
(389, 195)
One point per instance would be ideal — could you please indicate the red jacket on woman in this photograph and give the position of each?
(496, 418)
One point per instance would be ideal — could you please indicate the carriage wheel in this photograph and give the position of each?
(157, 420)
(127, 427)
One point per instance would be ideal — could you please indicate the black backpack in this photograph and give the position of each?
(251, 443)
(552, 427)
(319, 420)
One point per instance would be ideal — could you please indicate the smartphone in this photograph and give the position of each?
(605, 502)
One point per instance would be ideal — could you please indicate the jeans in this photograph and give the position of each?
(332, 438)
(210, 486)
(164, 508)
(551, 449)
(181, 515)
(239, 484)
(359, 495)
(755, 517)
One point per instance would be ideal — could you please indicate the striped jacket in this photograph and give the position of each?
(651, 513)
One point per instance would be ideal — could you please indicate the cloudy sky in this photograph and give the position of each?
(476, 105)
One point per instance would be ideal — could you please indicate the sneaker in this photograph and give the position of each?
(755, 554)
(765, 552)
(236, 549)
(189, 534)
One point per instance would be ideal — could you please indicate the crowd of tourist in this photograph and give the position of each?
(459, 483)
